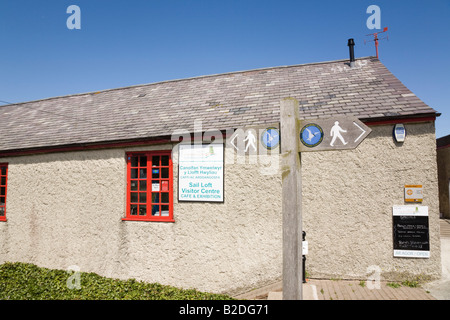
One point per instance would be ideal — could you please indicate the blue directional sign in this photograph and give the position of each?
(311, 135)
(270, 138)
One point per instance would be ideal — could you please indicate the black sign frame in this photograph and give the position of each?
(411, 235)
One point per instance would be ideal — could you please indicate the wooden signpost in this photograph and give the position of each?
(291, 201)
(335, 133)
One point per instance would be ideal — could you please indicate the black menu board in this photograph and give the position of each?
(411, 232)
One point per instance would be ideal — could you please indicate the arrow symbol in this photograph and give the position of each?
(363, 131)
(231, 141)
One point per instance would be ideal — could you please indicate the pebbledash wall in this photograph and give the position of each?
(66, 209)
(348, 199)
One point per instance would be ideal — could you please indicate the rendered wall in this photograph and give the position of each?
(348, 199)
(65, 209)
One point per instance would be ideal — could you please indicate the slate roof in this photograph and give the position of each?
(443, 142)
(220, 101)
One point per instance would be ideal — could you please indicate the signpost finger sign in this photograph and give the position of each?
(255, 140)
(338, 133)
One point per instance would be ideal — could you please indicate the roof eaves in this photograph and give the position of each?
(416, 118)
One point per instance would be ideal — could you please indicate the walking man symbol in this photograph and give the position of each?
(251, 141)
(336, 133)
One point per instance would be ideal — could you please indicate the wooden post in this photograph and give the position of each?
(291, 201)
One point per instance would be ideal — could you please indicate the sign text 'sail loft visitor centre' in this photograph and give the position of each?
(180, 182)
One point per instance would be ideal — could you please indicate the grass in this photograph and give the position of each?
(393, 285)
(411, 283)
(23, 281)
(405, 283)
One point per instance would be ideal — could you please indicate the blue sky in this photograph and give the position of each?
(123, 43)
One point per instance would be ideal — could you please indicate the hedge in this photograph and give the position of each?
(24, 281)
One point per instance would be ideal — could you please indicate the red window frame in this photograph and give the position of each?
(149, 186)
(3, 190)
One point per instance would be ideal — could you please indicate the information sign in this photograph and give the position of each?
(200, 172)
(413, 193)
(411, 231)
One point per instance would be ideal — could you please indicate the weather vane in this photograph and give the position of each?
(375, 38)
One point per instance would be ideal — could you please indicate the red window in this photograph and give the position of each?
(149, 186)
(3, 183)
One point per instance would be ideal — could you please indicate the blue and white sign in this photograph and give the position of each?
(270, 138)
(311, 135)
(200, 172)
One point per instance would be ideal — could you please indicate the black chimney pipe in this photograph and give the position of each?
(351, 45)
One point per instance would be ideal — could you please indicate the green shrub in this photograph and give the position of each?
(24, 281)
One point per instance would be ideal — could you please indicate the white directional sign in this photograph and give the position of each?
(255, 140)
(337, 133)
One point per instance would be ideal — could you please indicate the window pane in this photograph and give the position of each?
(142, 185)
(165, 173)
(155, 210)
(133, 185)
(2, 201)
(134, 197)
(155, 173)
(143, 161)
(142, 197)
(3, 181)
(2, 191)
(155, 197)
(134, 173)
(165, 211)
(164, 197)
(2, 211)
(143, 173)
(133, 210)
(3, 171)
(155, 161)
(134, 161)
(142, 210)
(165, 160)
